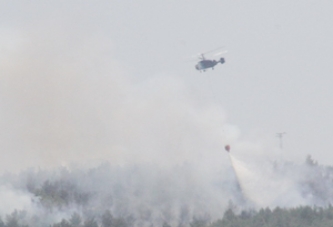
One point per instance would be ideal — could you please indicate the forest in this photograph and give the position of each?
(304, 216)
(108, 196)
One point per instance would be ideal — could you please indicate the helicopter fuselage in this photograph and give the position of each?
(205, 64)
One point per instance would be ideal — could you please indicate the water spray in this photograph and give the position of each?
(241, 172)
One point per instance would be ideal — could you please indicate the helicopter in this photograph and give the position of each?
(204, 63)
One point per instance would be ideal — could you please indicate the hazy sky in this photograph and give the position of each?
(83, 79)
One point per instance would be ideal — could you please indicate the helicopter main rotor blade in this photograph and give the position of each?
(201, 56)
(220, 53)
(210, 51)
(198, 55)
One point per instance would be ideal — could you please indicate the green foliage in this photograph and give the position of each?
(119, 222)
(314, 183)
(59, 194)
(2, 224)
(75, 220)
(63, 223)
(90, 223)
(107, 219)
(198, 222)
(12, 220)
(165, 224)
(310, 162)
(303, 216)
(15, 219)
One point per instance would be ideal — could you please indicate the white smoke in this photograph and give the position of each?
(12, 199)
(65, 99)
(264, 185)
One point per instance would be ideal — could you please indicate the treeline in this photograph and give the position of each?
(17, 219)
(304, 216)
(108, 196)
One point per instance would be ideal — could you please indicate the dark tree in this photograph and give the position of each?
(90, 223)
(165, 224)
(196, 222)
(107, 219)
(75, 220)
(12, 220)
(119, 222)
(2, 224)
(63, 223)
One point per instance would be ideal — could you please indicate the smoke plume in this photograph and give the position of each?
(79, 136)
